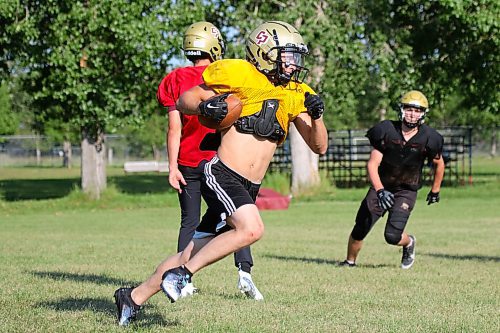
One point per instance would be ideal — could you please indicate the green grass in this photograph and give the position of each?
(62, 258)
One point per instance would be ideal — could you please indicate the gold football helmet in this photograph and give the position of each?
(277, 50)
(203, 37)
(413, 99)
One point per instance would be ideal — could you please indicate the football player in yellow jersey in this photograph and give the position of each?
(270, 85)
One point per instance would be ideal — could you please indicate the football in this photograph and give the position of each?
(234, 107)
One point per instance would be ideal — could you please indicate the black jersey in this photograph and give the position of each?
(402, 163)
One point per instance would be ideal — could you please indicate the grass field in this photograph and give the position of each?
(63, 256)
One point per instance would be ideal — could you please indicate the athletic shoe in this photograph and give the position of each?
(408, 254)
(345, 263)
(189, 290)
(174, 280)
(247, 287)
(127, 309)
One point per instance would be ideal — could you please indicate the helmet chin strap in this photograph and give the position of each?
(411, 125)
(284, 78)
(278, 78)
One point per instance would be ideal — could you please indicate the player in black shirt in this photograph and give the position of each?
(400, 149)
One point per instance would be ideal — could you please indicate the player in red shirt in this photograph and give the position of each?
(203, 45)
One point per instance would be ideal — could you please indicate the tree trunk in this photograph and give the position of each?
(156, 153)
(305, 173)
(38, 152)
(383, 91)
(493, 150)
(67, 154)
(382, 112)
(93, 165)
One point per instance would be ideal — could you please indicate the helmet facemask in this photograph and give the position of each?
(413, 99)
(412, 123)
(289, 64)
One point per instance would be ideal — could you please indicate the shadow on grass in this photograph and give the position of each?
(141, 183)
(235, 296)
(303, 259)
(37, 189)
(41, 189)
(104, 306)
(91, 278)
(321, 261)
(474, 257)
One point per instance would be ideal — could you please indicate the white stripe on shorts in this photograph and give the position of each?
(221, 194)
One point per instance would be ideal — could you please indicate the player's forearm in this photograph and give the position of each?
(173, 144)
(188, 103)
(372, 169)
(438, 175)
(319, 137)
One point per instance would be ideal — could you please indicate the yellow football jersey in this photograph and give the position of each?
(241, 78)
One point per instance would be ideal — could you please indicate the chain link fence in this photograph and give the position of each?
(37, 150)
(344, 162)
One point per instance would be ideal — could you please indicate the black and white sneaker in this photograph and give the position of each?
(173, 281)
(409, 254)
(346, 263)
(248, 287)
(127, 309)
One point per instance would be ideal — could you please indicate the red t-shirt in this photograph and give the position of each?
(169, 90)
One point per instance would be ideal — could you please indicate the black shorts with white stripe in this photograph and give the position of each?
(224, 191)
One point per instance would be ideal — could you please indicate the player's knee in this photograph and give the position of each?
(362, 227)
(255, 231)
(395, 226)
(248, 223)
(392, 237)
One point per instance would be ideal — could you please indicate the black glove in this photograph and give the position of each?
(385, 199)
(214, 108)
(432, 198)
(314, 105)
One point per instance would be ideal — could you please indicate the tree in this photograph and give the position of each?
(94, 64)
(444, 48)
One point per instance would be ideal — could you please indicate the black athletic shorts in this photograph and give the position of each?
(224, 191)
